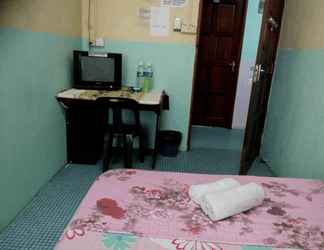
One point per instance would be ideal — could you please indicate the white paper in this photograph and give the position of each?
(173, 3)
(160, 21)
(144, 14)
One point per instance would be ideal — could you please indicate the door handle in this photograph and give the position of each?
(257, 71)
(232, 65)
(255, 74)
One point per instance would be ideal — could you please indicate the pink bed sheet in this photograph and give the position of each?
(156, 205)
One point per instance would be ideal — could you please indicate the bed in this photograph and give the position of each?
(151, 210)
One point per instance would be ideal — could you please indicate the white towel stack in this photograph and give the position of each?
(225, 198)
(196, 192)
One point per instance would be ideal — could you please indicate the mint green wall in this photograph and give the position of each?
(294, 139)
(173, 72)
(33, 68)
(252, 31)
(248, 57)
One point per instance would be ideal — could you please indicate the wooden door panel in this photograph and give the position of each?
(224, 18)
(206, 54)
(261, 88)
(223, 49)
(207, 11)
(199, 103)
(203, 77)
(215, 110)
(216, 49)
(219, 77)
(219, 47)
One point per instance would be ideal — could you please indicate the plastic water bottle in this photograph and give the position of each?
(148, 77)
(139, 77)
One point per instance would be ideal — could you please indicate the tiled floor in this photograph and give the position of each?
(40, 224)
(217, 138)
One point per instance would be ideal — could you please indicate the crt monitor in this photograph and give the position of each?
(97, 71)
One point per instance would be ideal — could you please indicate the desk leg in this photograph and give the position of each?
(68, 135)
(156, 143)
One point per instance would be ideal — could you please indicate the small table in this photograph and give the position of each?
(85, 124)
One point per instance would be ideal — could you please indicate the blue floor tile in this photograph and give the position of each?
(40, 224)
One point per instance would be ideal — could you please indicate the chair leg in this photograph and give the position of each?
(125, 148)
(128, 146)
(130, 151)
(107, 151)
(119, 143)
(141, 147)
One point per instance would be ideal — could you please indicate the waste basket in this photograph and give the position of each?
(169, 141)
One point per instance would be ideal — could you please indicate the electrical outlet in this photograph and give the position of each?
(100, 42)
(188, 28)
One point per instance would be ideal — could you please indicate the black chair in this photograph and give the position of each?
(119, 129)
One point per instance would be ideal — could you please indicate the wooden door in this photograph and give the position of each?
(219, 50)
(270, 31)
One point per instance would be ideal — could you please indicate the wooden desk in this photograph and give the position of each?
(85, 123)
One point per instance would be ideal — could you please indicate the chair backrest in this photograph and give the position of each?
(118, 105)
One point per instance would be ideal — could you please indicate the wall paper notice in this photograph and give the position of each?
(160, 21)
(173, 3)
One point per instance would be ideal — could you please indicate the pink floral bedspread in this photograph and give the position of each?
(156, 205)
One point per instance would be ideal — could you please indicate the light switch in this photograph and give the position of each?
(177, 24)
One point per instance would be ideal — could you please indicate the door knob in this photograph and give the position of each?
(232, 65)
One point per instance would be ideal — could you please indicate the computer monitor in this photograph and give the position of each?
(97, 71)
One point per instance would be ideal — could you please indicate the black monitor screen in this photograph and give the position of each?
(97, 69)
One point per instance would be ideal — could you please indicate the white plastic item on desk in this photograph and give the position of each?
(71, 93)
(151, 98)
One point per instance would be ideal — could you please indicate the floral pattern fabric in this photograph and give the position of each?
(118, 241)
(127, 208)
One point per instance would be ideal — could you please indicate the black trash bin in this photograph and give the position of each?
(169, 141)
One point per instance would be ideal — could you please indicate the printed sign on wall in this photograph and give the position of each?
(173, 3)
(159, 25)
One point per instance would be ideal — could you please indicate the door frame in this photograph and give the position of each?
(195, 69)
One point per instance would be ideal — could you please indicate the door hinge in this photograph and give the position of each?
(273, 23)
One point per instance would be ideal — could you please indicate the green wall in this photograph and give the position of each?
(249, 52)
(34, 67)
(173, 72)
(252, 29)
(294, 139)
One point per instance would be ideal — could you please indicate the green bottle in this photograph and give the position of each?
(148, 77)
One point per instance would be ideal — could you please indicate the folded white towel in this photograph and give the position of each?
(198, 191)
(221, 205)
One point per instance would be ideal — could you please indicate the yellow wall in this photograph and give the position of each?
(55, 16)
(303, 24)
(118, 20)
